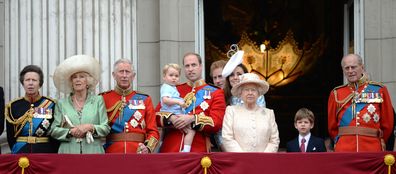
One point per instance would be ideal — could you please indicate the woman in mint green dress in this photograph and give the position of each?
(80, 118)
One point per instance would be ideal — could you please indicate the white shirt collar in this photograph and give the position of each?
(307, 137)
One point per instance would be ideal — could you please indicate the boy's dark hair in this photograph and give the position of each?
(304, 113)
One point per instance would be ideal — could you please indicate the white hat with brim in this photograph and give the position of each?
(234, 61)
(72, 65)
(250, 78)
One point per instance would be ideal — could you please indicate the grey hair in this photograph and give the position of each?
(258, 87)
(123, 60)
(359, 58)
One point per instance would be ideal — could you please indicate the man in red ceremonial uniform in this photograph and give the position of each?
(204, 113)
(131, 115)
(360, 113)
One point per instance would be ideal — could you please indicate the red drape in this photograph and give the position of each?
(175, 163)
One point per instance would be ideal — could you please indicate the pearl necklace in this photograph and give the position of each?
(79, 106)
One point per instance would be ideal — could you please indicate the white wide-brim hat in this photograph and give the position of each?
(234, 61)
(246, 78)
(72, 65)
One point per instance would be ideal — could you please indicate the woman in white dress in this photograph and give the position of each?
(248, 127)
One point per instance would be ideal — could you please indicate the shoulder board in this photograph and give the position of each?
(102, 93)
(49, 98)
(341, 86)
(12, 101)
(376, 83)
(140, 93)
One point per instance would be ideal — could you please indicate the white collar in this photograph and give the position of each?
(307, 137)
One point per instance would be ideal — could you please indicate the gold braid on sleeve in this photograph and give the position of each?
(151, 144)
(202, 120)
(163, 118)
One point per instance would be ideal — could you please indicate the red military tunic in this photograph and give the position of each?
(140, 125)
(209, 118)
(356, 113)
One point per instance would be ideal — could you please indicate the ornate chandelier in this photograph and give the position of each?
(283, 64)
(280, 65)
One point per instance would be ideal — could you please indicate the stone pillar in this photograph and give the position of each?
(380, 42)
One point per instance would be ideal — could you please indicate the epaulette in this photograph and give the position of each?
(105, 92)
(141, 93)
(50, 98)
(341, 86)
(10, 118)
(12, 101)
(376, 83)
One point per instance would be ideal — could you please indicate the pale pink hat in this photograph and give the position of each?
(246, 78)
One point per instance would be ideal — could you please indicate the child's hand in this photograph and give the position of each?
(182, 104)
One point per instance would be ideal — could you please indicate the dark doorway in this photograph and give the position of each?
(226, 20)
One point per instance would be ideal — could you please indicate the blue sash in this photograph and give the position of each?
(347, 116)
(199, 97)
(25, 130)
(127, 113)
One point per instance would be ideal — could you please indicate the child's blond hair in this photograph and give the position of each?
(171, 65)
(304, 113)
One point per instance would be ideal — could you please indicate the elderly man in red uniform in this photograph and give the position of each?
(360, 113)
(131, 115)
(205, 111)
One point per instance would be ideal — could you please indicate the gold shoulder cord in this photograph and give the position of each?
(342, 102)
(21, 121)
(190, 99)
(115, 108)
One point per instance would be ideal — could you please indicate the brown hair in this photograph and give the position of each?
(31, 68)
(194, 54)
(228, 87)
(217, 64)
(304, 113)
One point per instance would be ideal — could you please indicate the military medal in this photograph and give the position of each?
(141, 105)
(366, 117)
(48, 113)
(130, 105)
(376, 118)
(137, 115)
(45, 123)
(371, 108)
(134, 123)
(136, 104)
(207, 94)
(39, 132)
(378, 98)
(204, 105)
